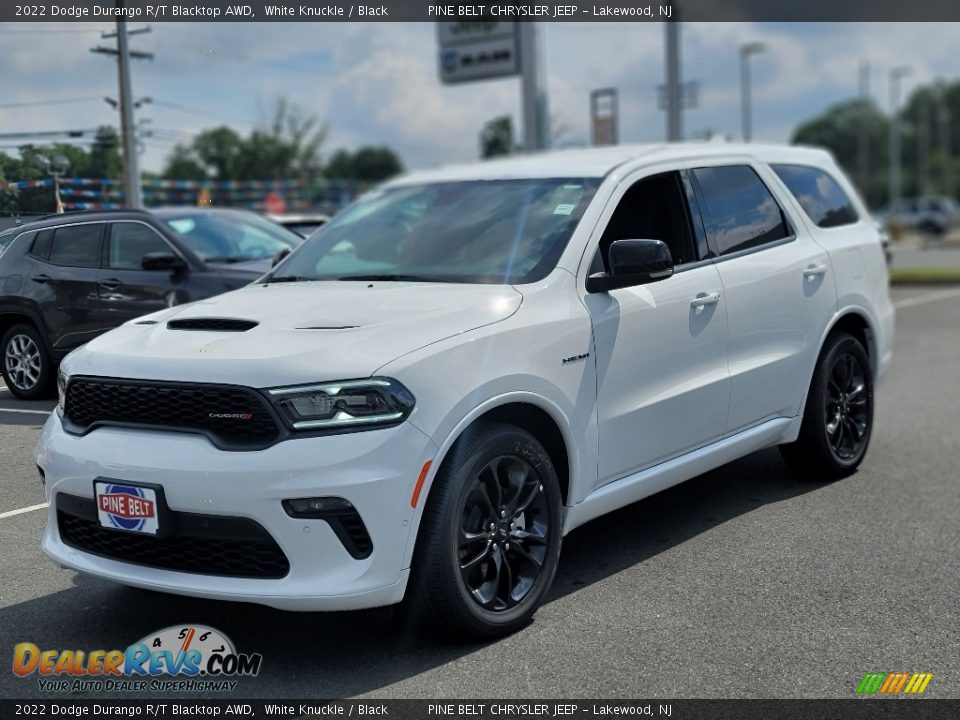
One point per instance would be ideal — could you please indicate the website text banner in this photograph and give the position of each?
(70, 707)
(482, 11)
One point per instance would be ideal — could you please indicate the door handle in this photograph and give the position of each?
(813, 271)
(704, 300)
(110, 284)
(41, 279)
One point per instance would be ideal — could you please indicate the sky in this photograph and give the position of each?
(378, 84)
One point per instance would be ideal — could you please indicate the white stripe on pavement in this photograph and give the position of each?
(25, 412)
(928, 298)
(21, 511)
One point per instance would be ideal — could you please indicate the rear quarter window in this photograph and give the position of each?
(820, 196)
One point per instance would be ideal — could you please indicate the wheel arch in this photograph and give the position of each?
(10, 316)
(534, 413)
(856, 322)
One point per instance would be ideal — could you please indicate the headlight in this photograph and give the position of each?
(62, 379)
(343, 405)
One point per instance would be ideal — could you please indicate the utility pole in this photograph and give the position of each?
(131, 170)
(896, 75)
(923, 143)
(746, 108)
(536, 115)
(673, 90)
(943, 128)
(863, 138)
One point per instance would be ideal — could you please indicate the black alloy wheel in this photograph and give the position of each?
(504, 528)
(489, 539)
(838, 416)
(847, 412)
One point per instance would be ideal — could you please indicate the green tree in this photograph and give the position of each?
(286, 145)
(221, 151)
(183, 164)
(496, 137)
(365, 165)
(838, 130)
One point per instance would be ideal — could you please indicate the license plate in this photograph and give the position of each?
(127, 507)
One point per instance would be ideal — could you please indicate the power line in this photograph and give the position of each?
(47, 134)
(37, 103)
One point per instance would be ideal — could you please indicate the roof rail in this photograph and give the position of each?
(91, 210)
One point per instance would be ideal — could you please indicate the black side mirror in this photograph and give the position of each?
(280, 256)
(162, 261)
(633, 262)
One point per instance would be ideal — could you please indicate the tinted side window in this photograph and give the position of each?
(76, 246)
(41, 244)
(739, 211)
(654, 208)
(821, 198)
(129, 242)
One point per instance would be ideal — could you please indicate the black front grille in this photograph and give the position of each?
(232, 417)
(204, 544)
(213, 324)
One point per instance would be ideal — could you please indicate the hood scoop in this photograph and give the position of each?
(212, 324)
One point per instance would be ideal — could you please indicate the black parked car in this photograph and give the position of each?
(67, 278)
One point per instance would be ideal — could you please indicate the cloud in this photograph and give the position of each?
(377, 83)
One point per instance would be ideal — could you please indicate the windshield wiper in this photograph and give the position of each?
(229, 260)
(286, 279)
(392, 277)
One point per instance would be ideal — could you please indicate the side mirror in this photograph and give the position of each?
(162, 261)
(633, 262)
(280, 256)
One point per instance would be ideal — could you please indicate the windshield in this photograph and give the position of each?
(231, 236)
(499, 231)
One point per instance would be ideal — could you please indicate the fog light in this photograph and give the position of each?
(316, 507)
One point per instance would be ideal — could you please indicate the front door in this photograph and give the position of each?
(128, 291)
(662, 381)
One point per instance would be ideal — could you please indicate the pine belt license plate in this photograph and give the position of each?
(131, 508)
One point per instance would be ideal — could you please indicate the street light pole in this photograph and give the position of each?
(673, 89)
(896, 75)
(746, 50)
(536, 123)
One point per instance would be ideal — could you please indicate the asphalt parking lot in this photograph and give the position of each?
(743, 582)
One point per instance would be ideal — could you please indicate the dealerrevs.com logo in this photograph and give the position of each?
(177, 658)
(894, 683)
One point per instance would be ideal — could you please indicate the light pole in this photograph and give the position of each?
(746, 50)
(55, 167)
(896, 75)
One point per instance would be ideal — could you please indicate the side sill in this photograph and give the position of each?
(640, 485)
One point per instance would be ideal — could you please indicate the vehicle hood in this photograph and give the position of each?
(305, 333)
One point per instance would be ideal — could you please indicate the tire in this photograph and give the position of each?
(494, 466)
(27, 369)
(838, 417)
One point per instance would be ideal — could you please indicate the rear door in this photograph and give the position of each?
(778, 290)
(127, 290)
(67, 264)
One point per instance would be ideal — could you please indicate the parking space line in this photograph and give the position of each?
(25, 412)
(21, 511)
(928, 298)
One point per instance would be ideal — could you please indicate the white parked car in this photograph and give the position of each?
(468, 363)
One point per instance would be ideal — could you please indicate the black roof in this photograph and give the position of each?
(60, 218)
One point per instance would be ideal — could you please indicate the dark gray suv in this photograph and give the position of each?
(67, 278)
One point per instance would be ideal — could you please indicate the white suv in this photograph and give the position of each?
(467, 364)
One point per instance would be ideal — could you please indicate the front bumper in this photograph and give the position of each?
(375, 470)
